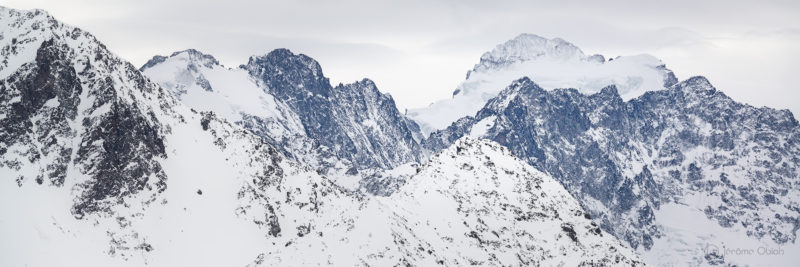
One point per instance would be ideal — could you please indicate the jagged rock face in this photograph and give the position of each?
(690, 144)
(552, 63)
(49, 78)
(355, 121)
(73, 112)
(285, 99)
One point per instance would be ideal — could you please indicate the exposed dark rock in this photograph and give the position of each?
(635, 155)
(356, 121)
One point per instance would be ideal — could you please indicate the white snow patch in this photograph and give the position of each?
(481, 127)
(689, 235)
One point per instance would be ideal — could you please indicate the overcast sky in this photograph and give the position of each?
(420, 50)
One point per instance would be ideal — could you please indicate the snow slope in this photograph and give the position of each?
(199, 81)
(473, 203)
(552, 63)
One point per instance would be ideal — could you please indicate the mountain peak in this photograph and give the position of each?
(196, 55)
(333, 116)
(539, 40)
(155, 60)
(552, 63)
(522, 86)
(283, 70)
(528, 47)
(190, 55)
(367, 82)
(525, 85)
(700, 81)
(695, 85)
(609, 90)
(24, 31)
(281, 52)
(283, 55)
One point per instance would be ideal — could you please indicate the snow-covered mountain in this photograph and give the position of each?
(74, 115)
(471, 204)
(100, 166)
(552, 63)
(672, 172)
(285, 98)
(200, 82)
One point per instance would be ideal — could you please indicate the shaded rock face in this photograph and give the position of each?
(688, 142)
(58, 119)
(289, 75)
(126, 161)
(355, 121)
(50, 78)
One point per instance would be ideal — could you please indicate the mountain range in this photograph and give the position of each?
(185, 161)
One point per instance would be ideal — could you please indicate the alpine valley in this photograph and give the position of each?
(187, 162)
